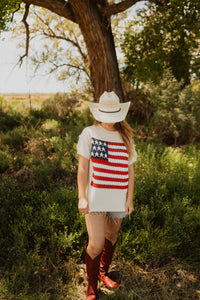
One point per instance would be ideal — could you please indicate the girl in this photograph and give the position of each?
(105, 184)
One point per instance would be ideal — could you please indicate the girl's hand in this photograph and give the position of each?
(83, 206)
(129, 207)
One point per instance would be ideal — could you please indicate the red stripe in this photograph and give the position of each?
(105, 162)
(110, 171)
(117, 157)
(117, 150)
(116, 144)
(107, 186)
(103, 178)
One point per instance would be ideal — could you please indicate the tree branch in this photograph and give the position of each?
(84, 56)
(59, 7)
(66, 65)
(52, 34)
(13, 13)
(71, 66)
(116, 8)
(55, 67)
(160, 2)
(24, 20)
(58, 37)
(45, 23)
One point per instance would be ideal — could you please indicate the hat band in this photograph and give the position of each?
(109, 112)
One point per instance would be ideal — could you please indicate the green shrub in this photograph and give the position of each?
(8, 120)
(51, 127)
(42, 174)
(167, 196)
(38, 232)
(176, 112)
(14, 138)
(41, 231)
(38, 114)
(59, 105)
(1, 103)
(4, 161)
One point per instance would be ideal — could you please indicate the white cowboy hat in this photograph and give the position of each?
(109, 109)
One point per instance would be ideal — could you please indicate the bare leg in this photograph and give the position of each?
(112, 229)
(96, 231)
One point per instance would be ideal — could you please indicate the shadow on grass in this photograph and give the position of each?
(172, 281)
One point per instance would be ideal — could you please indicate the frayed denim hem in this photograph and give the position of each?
(115, 215)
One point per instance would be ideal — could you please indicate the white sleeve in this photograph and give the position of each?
(134, 157)
(84, 144)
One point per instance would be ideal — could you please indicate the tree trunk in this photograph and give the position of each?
(97, 33)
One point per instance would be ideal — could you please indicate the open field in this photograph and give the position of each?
(20, 101)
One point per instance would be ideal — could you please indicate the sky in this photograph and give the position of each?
(20, 80)
(14, 79)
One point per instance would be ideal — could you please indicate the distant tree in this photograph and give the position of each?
(163, 37)
(94, 20)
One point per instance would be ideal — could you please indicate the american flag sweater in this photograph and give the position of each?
(108, 173)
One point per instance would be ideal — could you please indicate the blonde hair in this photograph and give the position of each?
(126, 134)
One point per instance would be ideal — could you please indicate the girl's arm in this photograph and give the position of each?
(82, 178)
(129, 200)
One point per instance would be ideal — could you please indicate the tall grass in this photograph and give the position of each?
(41, 231)
(166, 220)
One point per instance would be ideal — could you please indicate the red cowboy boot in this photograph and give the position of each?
(92, 267)
(105, 261)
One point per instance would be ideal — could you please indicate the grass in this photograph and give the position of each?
(42, 234)
(166, 282)
(170, 281)
(21, 102)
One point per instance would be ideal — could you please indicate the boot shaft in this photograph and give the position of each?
(92, 268)
(106, 257)
(105, 261)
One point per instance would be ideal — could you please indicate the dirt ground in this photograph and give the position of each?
(172, 281)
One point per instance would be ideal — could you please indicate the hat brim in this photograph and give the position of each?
(109, 117)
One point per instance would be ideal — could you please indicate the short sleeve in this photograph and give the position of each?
(134, 157)
(84, 144)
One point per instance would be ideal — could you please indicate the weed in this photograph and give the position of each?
(41, 231)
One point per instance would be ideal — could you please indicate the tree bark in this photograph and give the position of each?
(97, 33)
(93, 18)
(59, 7)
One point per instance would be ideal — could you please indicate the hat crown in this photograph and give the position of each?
(109, 101)
(109, 109)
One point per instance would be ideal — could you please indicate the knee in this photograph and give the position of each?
(94, 249)
(112, 237)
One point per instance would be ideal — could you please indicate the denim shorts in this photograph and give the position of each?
(116, 214)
